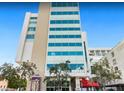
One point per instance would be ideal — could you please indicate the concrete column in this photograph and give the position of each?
(28, 85)
(87, 61)
(70, 85)
(77, 84)
(39, 52)
(43, 85)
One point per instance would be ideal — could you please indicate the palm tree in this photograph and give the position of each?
(59, 75)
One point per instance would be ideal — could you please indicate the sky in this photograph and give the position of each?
(103, 22)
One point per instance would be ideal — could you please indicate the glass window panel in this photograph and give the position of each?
(33, 17)
(64, 13)
(65, 29)
(98, 53)
(65, 4)
(65, 53)
(31, 28)
(64, 21)
(64, 36)
(30, 36)
(64, 44)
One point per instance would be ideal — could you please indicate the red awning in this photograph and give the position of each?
(95, 84)
(86, 83)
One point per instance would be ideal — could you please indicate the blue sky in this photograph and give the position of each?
(103, 22)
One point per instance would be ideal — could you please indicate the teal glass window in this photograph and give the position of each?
(65, 29)
(67, 53)
(64, 21)
(64, 44)
(33, 17)
(32, 22)
(30, 36)
(64, 4)
(72, 66)
(64, 36)
(65, 13)
(31, 28)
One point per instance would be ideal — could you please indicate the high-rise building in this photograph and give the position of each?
(53, 36)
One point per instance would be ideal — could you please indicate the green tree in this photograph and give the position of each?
(105, 73)
(26, 69)
(17, 76)
(8, 72)
(59, 75)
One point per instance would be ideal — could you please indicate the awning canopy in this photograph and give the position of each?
(86, 83)
(95, 84)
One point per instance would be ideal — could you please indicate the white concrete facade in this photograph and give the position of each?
(86, 51)
(25, 47)
(95, 54)
(116, 58)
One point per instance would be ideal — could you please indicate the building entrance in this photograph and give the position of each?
(57, 86)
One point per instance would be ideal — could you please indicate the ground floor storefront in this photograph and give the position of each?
(71, 84)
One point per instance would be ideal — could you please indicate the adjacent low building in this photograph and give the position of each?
(95, 54)
(116, 58)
